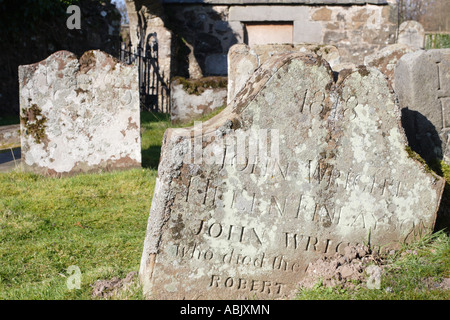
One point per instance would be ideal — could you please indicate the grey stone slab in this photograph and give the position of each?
(386, 59)
(295, 168)
(422, 83)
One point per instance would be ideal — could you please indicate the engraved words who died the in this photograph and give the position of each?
(296, 167)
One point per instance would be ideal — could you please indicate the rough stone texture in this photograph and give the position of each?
(79, 115)
(422, 83)
(207, 29)
(357, 28)
(246, 226)
(386, 59)
(188, 106)
(9, 136)
(412, 34)
(243, 60)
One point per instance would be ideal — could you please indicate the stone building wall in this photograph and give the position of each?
(358, 28)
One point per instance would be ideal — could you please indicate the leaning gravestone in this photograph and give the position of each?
(79, 115)
(297, 167)
(423, 87)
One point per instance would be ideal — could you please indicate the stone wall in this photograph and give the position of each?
(79, 115)
(145, 19)
(357, 28)
(207, 30)
(192, 99)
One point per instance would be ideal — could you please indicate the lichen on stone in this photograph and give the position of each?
(33, 122)
(198, 86)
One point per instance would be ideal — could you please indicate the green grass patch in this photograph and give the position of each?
(96, 222)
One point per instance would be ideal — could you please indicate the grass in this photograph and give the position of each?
(97, 222)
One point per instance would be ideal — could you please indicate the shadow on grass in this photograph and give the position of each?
(150, 157)
(150, 117)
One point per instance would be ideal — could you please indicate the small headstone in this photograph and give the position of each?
(422, 83)
(412, 34)
(297, 167)
(386, 59)
(79, 115)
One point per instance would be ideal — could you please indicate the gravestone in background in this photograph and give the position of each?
(422, 83)
(412, 34)
(79, 115)
(243, 60)
(386, 59)
(297, 167)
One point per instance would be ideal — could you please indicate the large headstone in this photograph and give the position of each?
(422, 83)
(297, 167)
(412, 34)
(79, 115)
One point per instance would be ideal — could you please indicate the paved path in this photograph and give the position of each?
(9, 159)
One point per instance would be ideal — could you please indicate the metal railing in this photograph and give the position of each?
(154, 92)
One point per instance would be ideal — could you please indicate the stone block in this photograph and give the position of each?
(386, 59)
(422, 83)
(243, 60)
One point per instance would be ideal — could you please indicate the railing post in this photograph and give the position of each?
(129, 52)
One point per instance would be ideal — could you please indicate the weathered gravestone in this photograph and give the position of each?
(79, 115)
(243, 60)
(412, 34)
(330, 170)
(423, 87)
(386, 59)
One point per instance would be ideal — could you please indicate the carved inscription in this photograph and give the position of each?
(239, 223)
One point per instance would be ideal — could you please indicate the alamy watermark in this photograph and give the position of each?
(74, 278)
(74, 21)
(241, 148)
(374, 280)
